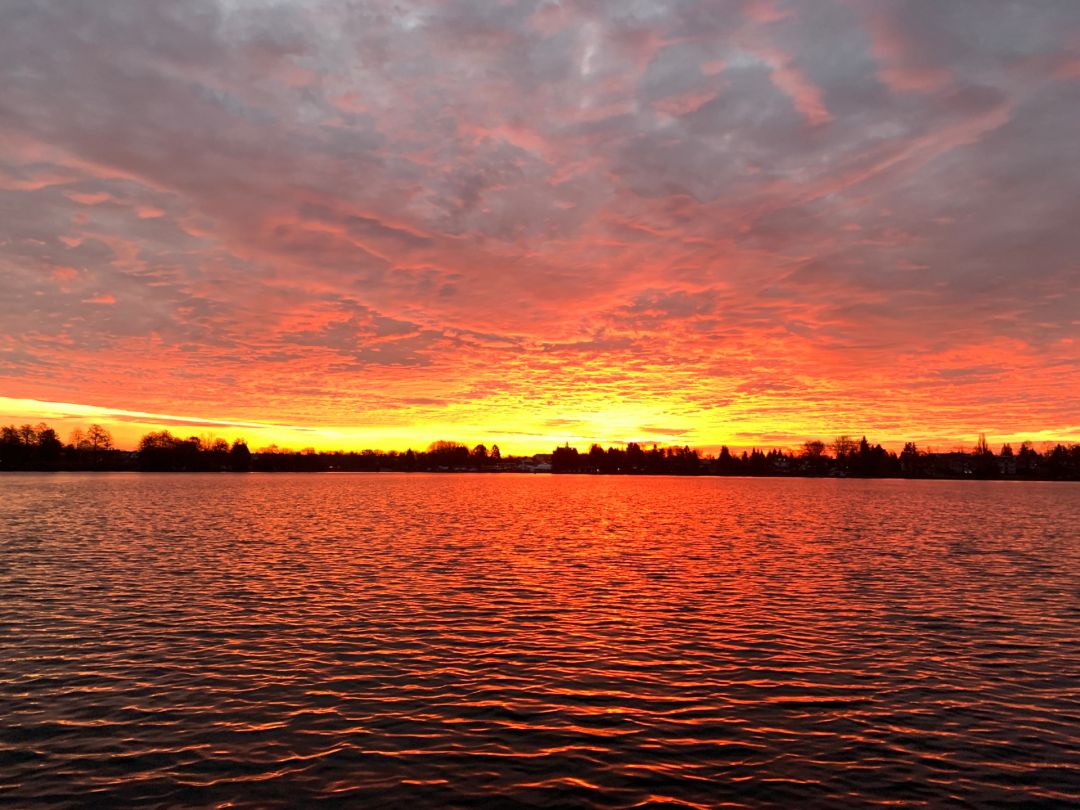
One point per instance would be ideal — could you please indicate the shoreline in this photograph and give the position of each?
(549, 473)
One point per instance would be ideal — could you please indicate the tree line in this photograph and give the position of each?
(39, 447)
(844, 457)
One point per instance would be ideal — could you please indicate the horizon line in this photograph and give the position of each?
(91, 414)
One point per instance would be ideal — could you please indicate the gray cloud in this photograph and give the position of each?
(428, 185)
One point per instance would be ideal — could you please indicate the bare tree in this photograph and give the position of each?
(98, 438)
(843, 446)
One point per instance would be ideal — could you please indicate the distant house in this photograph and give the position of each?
(541, 462)
(951, 463)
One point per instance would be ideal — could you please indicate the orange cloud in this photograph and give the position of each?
(577, 222)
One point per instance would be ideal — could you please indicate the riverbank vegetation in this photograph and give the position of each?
(39, 447)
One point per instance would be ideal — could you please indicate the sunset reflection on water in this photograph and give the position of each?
(446, 639)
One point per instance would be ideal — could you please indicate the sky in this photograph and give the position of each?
(379, 224)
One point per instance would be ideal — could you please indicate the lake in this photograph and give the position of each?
(445, 640)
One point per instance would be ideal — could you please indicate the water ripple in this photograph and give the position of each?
(536, 641)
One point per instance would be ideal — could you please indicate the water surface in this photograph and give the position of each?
(433, 640)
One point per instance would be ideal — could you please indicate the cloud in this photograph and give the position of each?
(786, 215)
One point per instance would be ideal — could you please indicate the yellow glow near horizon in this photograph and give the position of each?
(613, 425)
(128, 426)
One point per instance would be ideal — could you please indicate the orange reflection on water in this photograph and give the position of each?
(443, 639)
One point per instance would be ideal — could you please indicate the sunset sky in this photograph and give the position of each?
(378, 224)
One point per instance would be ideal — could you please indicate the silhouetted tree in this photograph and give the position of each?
(92, 447)
(565, 459)
(1062, 464)
(726, 464)
(37, 447)
(1027, 461)
(813, 452)
(14, 454)
(159, 451)
(98, 439)
(448, 455)
(616, 460)
(597, 459)
(49, 447)
(984, 465)
(239, 456)
(843, 447)
(909, 461)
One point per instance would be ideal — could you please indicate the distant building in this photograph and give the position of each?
(952, 463)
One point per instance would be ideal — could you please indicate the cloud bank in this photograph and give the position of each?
(714, 221)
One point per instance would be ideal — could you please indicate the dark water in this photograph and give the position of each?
(413, 641)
